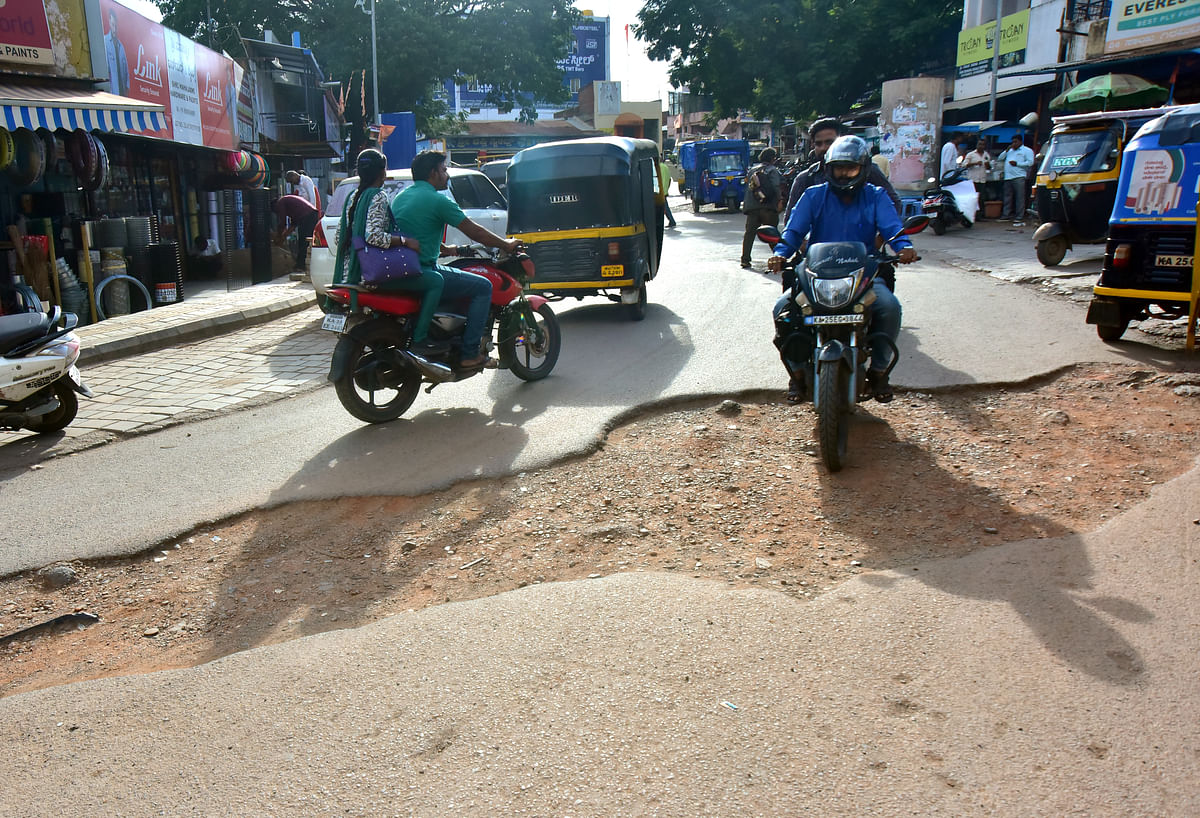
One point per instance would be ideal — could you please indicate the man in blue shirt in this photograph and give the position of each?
(846, 208)
(423, 213)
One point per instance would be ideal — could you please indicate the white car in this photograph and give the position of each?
(475, 194)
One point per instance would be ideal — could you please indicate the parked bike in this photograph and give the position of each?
(823, 334)
(952, 200)
(377, 377)
(38, 377)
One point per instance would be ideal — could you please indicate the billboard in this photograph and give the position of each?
(24, 33)
(1151, 22)
(976, 46)
(145, 61)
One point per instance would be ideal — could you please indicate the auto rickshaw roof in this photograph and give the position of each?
(620, 148)
(1101, 118)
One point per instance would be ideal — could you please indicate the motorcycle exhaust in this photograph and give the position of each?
(438, 373)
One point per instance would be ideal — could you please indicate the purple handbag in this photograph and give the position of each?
(380, 266)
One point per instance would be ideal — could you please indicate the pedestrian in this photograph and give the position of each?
(880, 161)
(978, 163)
(822, 133)
(949, 161)
(1016, 161)
(302, 185)
(296, 213)
(764, 199)
(661, 210)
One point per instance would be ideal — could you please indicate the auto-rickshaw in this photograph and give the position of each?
(1077, 180)
(1150, 256)
(585, 210)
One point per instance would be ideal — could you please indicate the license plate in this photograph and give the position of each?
(1173, 261)
(334, 322)
(853, 318)
(612, 271)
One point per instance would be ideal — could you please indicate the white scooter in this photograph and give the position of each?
(38, 376)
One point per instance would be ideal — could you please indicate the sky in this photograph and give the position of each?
(641, 78)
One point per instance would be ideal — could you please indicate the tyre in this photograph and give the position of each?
(1052, 251)
(531, 359)
(833, 415)
(1110, 332)
(938, 226)
(378, 385)
(638, 311)
(60, 418)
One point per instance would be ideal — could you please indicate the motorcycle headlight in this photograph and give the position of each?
(835, 292)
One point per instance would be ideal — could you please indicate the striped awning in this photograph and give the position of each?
(37, 107)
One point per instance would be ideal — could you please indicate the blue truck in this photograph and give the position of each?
(714, 172)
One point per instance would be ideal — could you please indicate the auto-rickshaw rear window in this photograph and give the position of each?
(1180, 129)
(570, 203)
(1081, 152)
(569, 166)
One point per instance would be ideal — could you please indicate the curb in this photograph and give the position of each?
(199, 328)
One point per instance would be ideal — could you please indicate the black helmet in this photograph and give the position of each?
(847, 151)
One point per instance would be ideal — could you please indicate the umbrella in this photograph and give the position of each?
(1109, 91)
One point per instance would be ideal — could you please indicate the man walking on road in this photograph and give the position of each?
(764, 197)
(950, 155)
(1016, 161)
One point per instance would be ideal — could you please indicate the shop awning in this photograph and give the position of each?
(33, 107)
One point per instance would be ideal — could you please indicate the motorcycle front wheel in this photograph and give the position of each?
(833, 413)
(533, 352)
(60, 418)
(938, 226)
(378, 385)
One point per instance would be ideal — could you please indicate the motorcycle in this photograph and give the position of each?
(38, 377)
(376, 376)
(952, 200)
(823, 334)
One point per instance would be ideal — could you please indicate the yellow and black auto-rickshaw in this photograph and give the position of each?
(585, 210)
(1077, 180)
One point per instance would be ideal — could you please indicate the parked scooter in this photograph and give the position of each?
(377, 377)
(952, 200)
(823, 334)
(38, 377)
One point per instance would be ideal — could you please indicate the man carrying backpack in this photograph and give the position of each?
(764, 195)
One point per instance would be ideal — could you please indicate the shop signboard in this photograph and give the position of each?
(24, 33)
(976, 46)
(1144, 23)
(145, 61)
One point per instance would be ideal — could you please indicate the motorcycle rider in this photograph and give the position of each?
(423, 213)
(849, 208)
(822, 133)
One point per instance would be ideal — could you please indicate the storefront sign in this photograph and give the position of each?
(24, 33)
(148, 62)
(976, 46)
(1143, 23)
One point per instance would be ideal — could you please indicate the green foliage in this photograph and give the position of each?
(796, 58)
(511, 45)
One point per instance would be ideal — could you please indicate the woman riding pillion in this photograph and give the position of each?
(367, 214)
(846, 208)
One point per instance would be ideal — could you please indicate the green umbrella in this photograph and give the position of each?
(1109, 91)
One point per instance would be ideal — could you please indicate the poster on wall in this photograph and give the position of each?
(24, 33)
(1151, 23)
(148, 62)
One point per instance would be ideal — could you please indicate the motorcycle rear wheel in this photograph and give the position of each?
(531, 361)
(378, 385)
(60, 418)
(833, 415)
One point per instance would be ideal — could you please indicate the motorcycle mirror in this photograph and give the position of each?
(769, 235)
(914, 225)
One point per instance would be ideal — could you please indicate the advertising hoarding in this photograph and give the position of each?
(976, 46)
(24, 33)
(1151, 22)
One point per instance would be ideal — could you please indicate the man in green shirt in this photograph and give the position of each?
(423, 213)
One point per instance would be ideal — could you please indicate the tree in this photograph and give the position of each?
(511, 45)
(796, 58)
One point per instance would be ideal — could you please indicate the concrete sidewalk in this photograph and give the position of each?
(203, 315)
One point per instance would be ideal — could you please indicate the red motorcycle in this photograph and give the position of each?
(377, 377)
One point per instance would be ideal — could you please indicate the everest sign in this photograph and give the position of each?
(24, 34)
(1140, 23)
(194, 85)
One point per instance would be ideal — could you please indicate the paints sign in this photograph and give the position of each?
(24, 33)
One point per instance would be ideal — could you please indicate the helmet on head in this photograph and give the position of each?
(847, 163)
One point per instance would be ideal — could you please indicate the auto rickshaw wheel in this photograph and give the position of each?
(1052, 251)
(938, 226)
(637, 311)
(1110, 332)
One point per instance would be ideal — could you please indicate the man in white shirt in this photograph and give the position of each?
(304, 187)
(1016, 161)
(950, 155)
